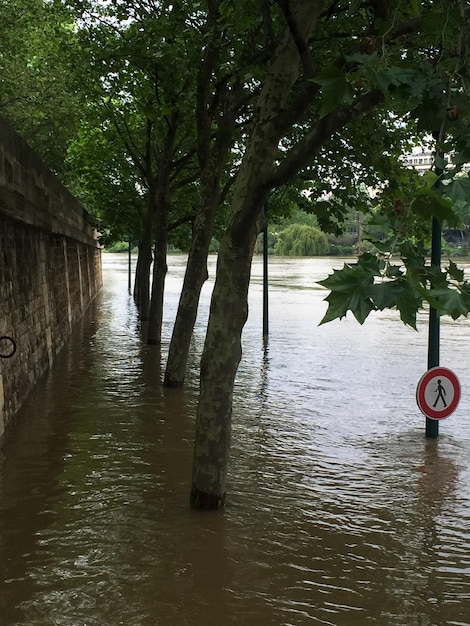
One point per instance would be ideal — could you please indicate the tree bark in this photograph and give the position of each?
(284, 101)
(144, 261)
(212, 151)
(229, 303)
(160, 268)
(219, 363)
(195, 276)
(162, 212)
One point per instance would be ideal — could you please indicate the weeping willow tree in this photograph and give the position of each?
(301, 240)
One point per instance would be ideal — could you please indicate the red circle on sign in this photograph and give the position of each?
(425, 407)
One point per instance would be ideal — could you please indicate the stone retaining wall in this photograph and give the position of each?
(50, 269)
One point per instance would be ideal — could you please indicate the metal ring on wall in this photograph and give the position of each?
(12, 351)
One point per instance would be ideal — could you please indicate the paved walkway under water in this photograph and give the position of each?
(339, 511)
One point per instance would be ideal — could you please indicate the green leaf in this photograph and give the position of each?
(394, 271)
(412, 255)
(337, 308)
(414, 7)
(351, 289)
(379, 78)
(386, 293)
(451, 302)
(339, 280)
(436, 277)
(400, 294)
(455, 272)
(336, 90)
(429, 178)
(428, 204)
(361, 307)
(440, 162)
(369, 263)
(382, 246)
(458, 189)
(462, 157)
(408, 304)
(410, 78)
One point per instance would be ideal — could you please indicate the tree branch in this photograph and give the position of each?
(300, 42)
(181, 221)
(302, 152)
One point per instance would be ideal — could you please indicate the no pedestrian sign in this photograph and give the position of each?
(438, 393)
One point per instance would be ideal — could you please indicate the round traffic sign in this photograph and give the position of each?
(438, 393)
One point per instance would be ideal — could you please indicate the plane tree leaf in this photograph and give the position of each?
(458, 189)
(373, 284)
(351, 289)
(336, 90)
(429, 204)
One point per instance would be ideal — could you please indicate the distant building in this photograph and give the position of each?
(421, 161)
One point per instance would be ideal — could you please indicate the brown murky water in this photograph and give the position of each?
(339, 511)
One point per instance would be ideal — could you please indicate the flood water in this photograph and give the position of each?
(339, 511)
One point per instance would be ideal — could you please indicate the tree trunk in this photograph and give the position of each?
(219, 363)
(194, 278)
(162, 212)
(160, 268)
(229, 304)
(144, 261)
(212, 150)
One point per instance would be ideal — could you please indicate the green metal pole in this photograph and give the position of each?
(265, 284)
(432, 426)
(129, 258)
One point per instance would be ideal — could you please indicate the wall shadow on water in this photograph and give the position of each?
(32, 457)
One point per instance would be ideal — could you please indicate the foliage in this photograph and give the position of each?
(462, 209)
(38, 61)
(92, 86)
(104, 180)
(295, 216)
(120, 246)
(437, 84)
(301, 240)
(375, 282)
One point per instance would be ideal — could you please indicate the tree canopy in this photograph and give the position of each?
(232, 102)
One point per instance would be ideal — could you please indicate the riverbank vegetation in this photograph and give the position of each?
(298, 234)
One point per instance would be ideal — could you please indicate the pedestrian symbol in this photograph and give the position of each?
(441, 392)
(438, 393)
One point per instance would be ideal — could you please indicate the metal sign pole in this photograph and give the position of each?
(265, 284)
(432, 426)
(129, 273)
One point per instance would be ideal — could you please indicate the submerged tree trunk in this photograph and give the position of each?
(284, 102)
(219, 364)
(194, 278)
(144, 261)
(154, 336)
(218, 111)
(229, 304)
(162, 212)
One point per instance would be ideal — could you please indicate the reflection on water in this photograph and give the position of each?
(339, 510)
